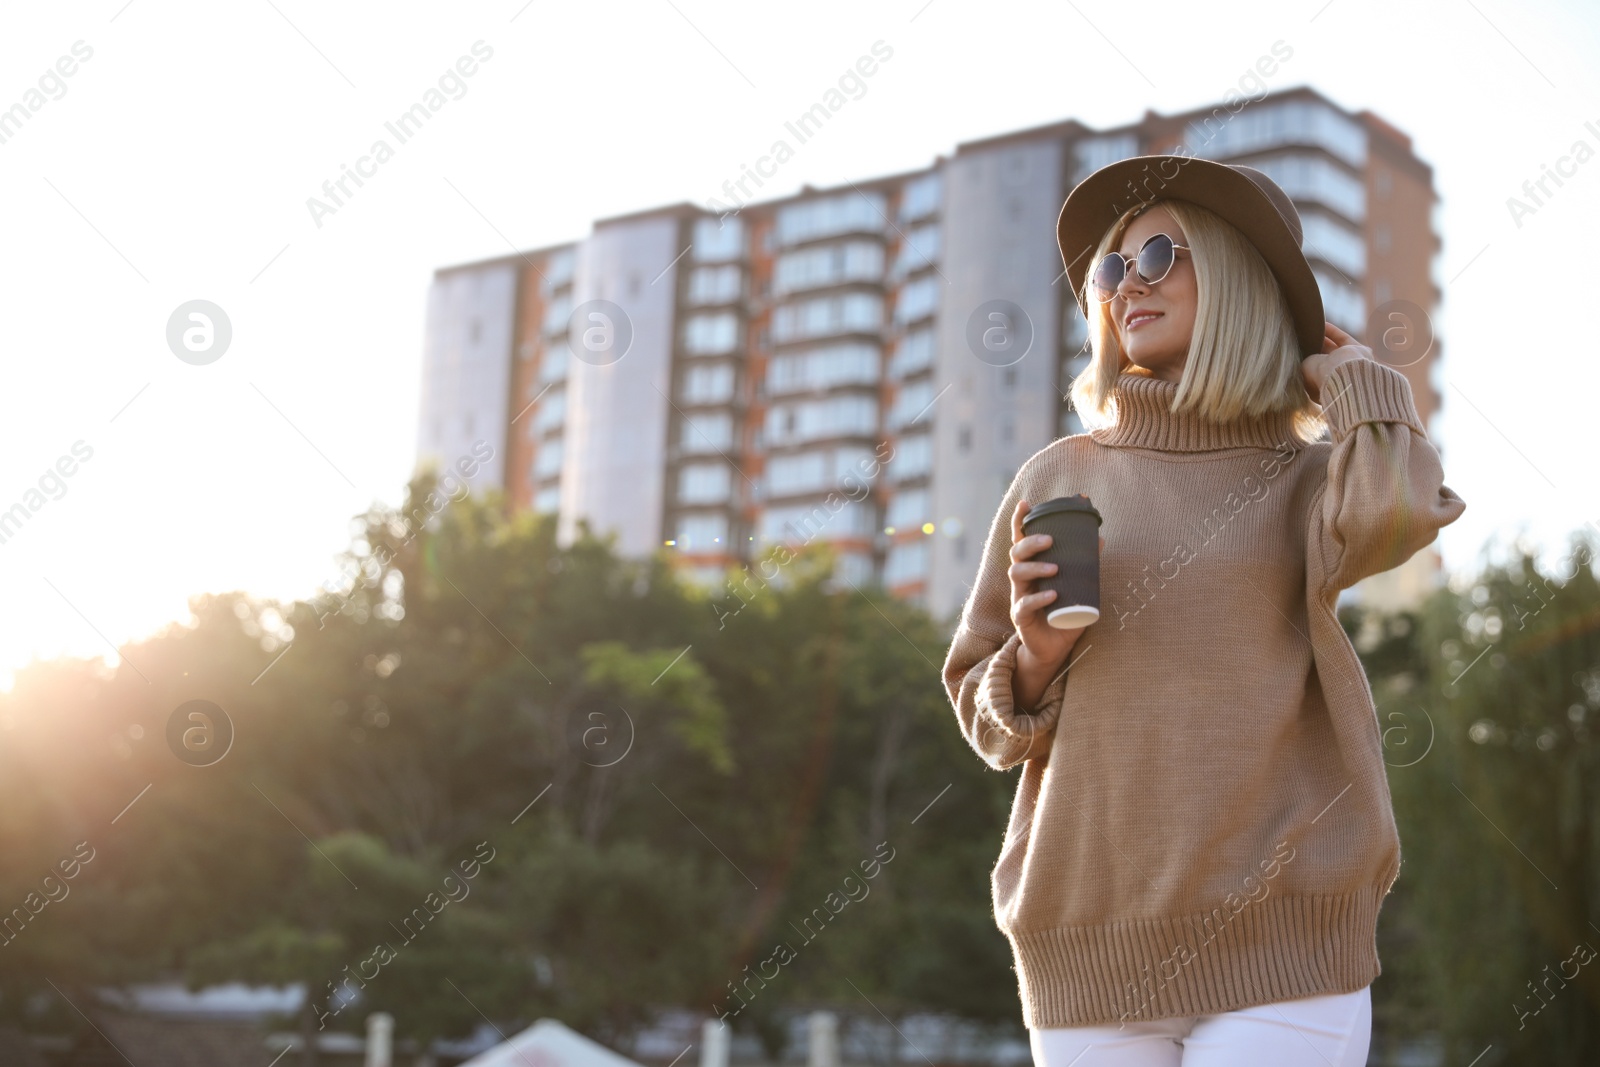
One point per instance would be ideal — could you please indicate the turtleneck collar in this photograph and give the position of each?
(1145, 420)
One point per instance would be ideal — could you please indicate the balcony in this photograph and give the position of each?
(834, 216)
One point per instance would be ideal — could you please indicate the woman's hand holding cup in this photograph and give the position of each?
(1044, 648)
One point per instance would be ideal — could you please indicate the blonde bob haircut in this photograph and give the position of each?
(1243, 357)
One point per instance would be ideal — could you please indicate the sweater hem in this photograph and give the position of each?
(1274, 949)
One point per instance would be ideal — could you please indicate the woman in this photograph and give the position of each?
(1202, 834)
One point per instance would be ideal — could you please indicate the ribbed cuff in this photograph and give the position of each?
(994, 694)
(1364, 390)
(1275, 949)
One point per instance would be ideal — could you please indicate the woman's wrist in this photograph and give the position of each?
(1045, 663)
(1032, 676)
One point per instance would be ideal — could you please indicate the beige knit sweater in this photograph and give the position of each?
(1203, 821)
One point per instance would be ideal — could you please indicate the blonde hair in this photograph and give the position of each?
(1244, 358)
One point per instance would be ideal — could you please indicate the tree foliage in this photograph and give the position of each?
(669, 784)
(1488, 697)
(494, 776)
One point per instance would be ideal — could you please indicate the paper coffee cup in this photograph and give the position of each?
(1074, 528)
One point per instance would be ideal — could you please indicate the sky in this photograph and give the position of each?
(175, 162)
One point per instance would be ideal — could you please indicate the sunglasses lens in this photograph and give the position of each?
(1107, 277)
(1155, 258)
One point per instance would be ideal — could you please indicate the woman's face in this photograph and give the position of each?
(1159, 344)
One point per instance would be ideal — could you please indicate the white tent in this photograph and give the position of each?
(548, 1043)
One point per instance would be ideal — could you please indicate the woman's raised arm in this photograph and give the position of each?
(1385, 496)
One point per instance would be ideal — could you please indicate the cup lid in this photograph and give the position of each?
(1060, 504)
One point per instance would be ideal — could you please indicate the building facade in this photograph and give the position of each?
(870, 365)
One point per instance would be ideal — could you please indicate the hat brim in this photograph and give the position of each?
(1097, 201)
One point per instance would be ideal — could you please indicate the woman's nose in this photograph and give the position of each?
(1131, 282)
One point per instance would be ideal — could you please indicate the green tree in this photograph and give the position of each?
(669, 781)
(1498, 819)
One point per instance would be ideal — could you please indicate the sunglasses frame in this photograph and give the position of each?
(1133, 262)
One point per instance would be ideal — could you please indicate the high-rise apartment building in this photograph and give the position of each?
(868, 365)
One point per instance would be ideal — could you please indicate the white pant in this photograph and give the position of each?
(1326, 1031)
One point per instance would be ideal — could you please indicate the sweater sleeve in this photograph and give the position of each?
(983, 655)
(1385, 496)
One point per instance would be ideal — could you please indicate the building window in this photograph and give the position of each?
(708, 432)
(919, 249)
(907, 562)
(917, 300)
(715, 285)
(552, 410)
(826, 216)
(553, 366)
(1336, 242)
(912, 404)
(788, 475)
(711, 384)
(557, 314)
(920, 197)
(818, 317)
(1316, 178)
(909, 509)
(711, 334)
(814, 267)
(704, 483)
(1289, 122)
(913, 457)
(913, 353)
(1091, 154)
(811, 472)
(716, 240)
(558, 270)
(547, 500)
(810, 420)
(547, 464)
(705, 532)
(801, 523)
(816, 369)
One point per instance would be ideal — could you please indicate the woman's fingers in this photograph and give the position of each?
(1023, 573)
(1029, 571)
(1031, 545)
(1333, 337)
(1017, 514)
(1026, 608)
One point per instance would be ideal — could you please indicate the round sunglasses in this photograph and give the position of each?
(1154, 260)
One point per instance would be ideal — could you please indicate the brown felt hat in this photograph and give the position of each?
(1248, 199)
